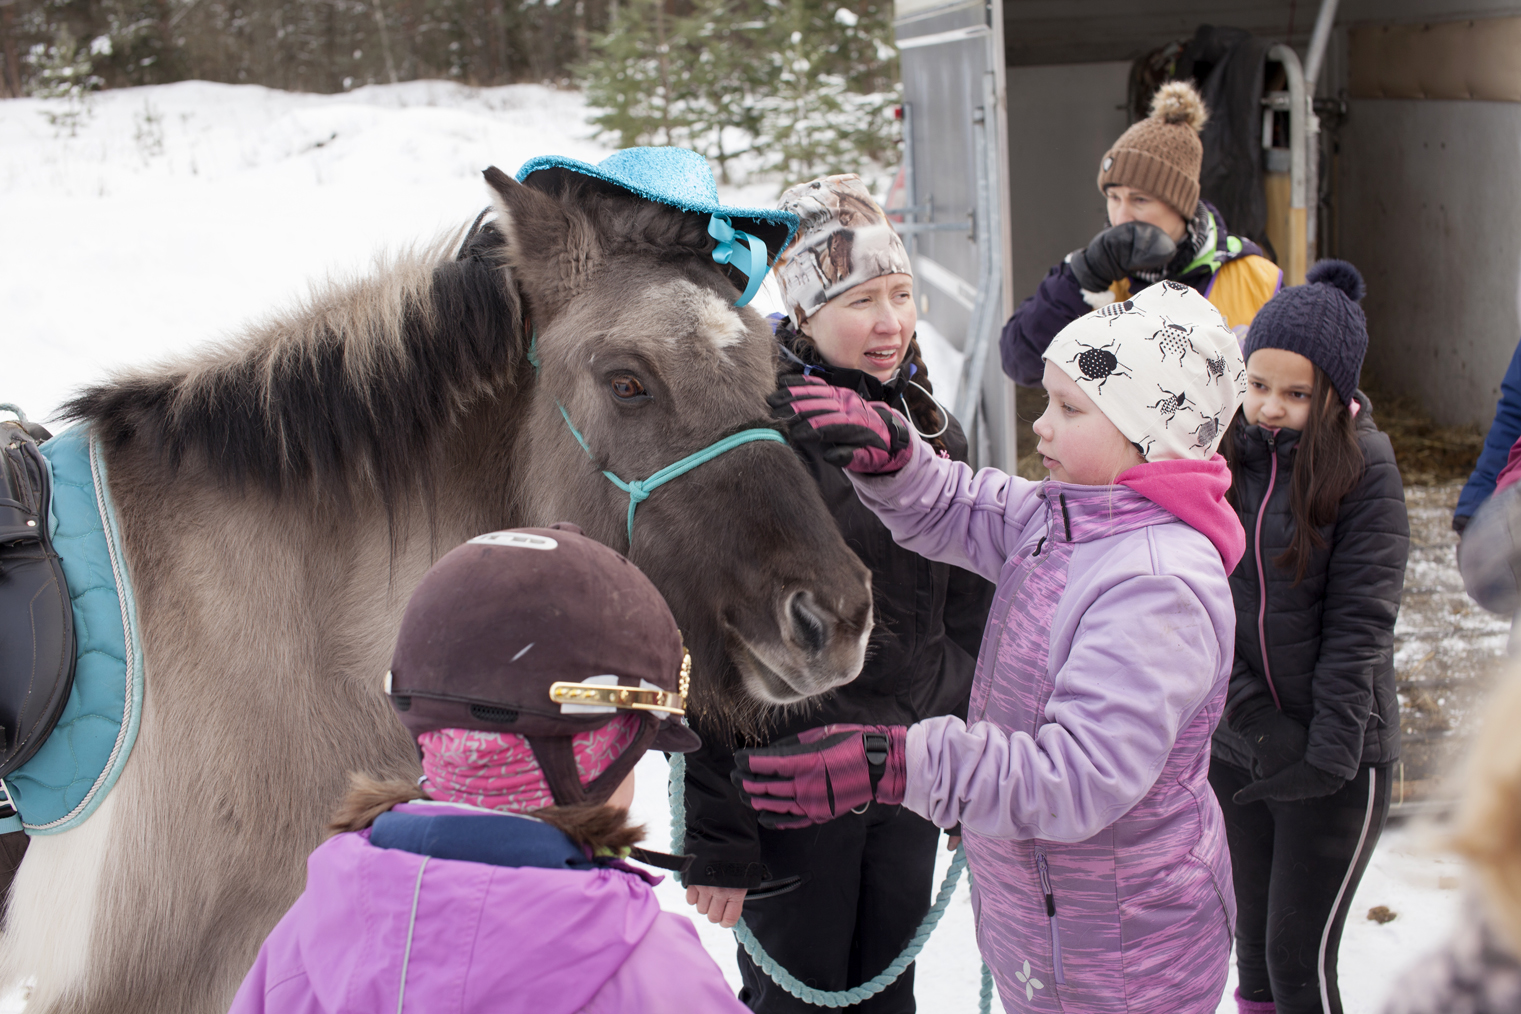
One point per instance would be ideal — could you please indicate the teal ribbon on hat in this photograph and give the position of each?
(750, 258)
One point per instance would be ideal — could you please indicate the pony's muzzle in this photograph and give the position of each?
(819, 648)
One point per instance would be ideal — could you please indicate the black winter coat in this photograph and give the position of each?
(1329, 641)
(919, 662)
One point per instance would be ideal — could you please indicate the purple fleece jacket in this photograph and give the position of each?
(1101, 876)
(485, 938)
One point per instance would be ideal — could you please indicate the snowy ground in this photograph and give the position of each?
(180, 212)
(1409, 875)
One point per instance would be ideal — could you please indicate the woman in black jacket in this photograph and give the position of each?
(1301, 762)
(835, 903)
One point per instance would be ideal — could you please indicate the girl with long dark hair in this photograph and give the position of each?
(1301, 761)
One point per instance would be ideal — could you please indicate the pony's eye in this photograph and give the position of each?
(627, 387)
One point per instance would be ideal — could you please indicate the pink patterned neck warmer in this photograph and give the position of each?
(498, 770)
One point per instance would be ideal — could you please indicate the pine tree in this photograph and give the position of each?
(790, 88)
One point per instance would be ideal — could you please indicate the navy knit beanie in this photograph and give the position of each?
(1321, 321)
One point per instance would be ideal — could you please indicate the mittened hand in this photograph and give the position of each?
(1300, 780)
(820, 773)
(866, 437)
(1276, 741)
(1118, 251)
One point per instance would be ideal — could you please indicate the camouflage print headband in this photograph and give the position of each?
(844, 239)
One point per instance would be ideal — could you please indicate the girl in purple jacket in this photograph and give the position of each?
(1101, 879)
(534, 667)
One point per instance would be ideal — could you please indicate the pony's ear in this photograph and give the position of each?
(552, 247)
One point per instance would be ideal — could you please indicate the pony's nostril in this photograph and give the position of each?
(806, 622)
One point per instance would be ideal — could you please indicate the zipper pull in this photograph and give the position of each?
(1045, 884)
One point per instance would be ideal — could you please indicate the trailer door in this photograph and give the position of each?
(954, 198)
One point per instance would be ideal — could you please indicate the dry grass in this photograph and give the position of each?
(1426, 453)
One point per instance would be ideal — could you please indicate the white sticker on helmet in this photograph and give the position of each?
(592, 709)
(518, 540)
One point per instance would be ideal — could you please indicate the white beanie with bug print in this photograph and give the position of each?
(1162, 366)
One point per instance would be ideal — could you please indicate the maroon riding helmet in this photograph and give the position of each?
(544, 633)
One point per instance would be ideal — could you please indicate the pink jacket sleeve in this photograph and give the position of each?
(1119, 701)
(943, 510)
(668, 973)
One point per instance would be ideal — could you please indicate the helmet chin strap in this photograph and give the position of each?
(557, 759)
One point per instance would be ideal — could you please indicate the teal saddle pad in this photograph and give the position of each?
(70, 775)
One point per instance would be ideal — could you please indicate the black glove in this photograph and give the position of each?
(1119, 250)
(1300, 780)
(1275, 739)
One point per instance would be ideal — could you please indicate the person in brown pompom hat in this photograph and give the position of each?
(1158, 229)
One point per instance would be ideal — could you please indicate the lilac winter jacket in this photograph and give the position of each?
(1101, 879)
(484, 938)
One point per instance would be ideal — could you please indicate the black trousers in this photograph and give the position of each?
(1296, 867)
(866, 885)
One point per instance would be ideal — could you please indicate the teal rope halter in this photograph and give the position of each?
(676, 793)
(639, 490)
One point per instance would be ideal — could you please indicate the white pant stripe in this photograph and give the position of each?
(1325, 935)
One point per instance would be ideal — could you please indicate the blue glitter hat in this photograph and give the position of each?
(748, 238)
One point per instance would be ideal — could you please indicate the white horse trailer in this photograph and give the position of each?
(1010, 104)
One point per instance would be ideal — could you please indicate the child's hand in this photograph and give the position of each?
(866, 437)
(720, 904)
(820, 773)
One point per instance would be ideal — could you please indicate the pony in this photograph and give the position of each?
(282, 493)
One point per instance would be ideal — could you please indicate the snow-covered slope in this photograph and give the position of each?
(180, 212)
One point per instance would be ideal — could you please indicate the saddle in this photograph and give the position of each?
(37, 647)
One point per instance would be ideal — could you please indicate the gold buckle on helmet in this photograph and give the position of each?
(631, 698)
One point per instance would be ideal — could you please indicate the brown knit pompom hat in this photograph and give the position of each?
(1162, 154)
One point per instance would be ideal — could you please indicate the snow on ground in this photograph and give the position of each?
(1409, 874)
(179, 213)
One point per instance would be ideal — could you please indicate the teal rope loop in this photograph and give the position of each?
(870, 988)
(676, 793)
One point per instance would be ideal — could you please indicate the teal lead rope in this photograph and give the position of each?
(676, 793)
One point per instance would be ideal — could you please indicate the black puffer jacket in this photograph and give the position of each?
(928, 628)
(1330, 639)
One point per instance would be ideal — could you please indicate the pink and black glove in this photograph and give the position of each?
(863, 436)
(820, 773)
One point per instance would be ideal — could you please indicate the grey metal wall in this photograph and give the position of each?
(1061, 121)
(1430, 210)
(947, 55)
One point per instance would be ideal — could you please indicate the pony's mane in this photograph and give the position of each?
(350, 390)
